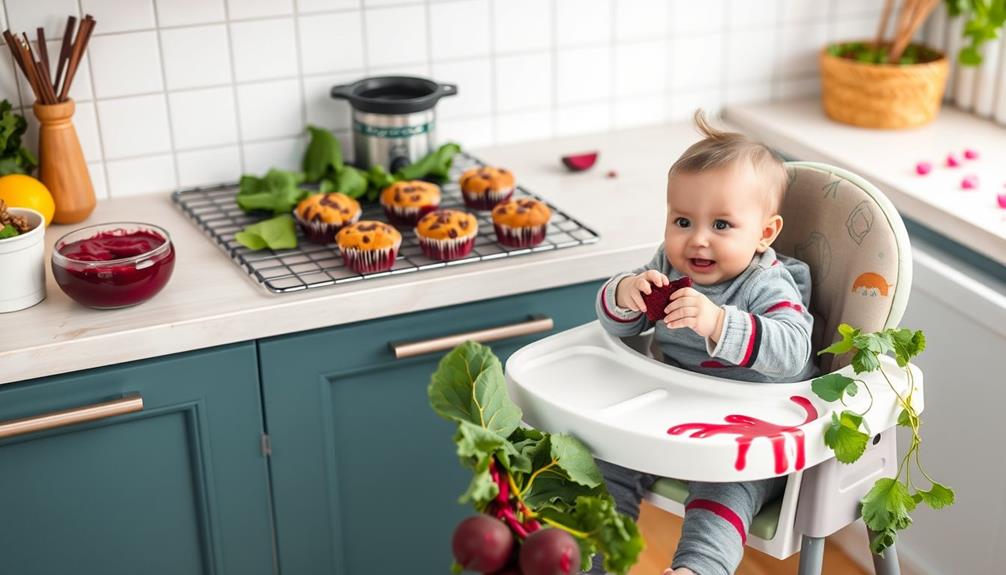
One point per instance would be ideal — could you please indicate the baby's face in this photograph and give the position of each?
(715, 222)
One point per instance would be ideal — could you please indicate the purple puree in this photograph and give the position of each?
(117, 284)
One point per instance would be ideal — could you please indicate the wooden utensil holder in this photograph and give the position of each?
(61, 163)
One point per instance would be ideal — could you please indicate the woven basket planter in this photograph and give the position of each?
(882, 95)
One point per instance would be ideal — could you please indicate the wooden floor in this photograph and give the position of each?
(661, 531)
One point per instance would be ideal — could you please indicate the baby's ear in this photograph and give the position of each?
(769, 232)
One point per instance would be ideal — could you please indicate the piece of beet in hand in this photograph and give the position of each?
(658, 298)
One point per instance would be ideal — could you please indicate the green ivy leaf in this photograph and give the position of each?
(469, 386)
(887, 505)
(845, 344)
(844, 438)
(882, 540)
(865, 361)
(878, 343)
(938, 496)
(831, 387)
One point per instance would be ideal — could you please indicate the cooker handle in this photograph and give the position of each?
(445, 90)
(341, 91)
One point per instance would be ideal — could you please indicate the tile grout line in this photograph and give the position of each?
(234, 88)
(167, 101)
(97, 113)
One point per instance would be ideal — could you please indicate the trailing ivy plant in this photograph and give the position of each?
(887, 506)
(983, 20)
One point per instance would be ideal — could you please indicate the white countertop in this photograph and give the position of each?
(887, 158)
(210, 301)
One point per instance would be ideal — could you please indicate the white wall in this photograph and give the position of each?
(181, 93)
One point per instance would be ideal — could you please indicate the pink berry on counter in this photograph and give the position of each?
(969, 182)
(952, 161)
(923, 168)
(1001, 198)
(971, 154)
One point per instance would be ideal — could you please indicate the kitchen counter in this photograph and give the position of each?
(210, 301)
(887, 158)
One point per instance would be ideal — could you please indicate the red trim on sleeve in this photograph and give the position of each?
(775, 263)
(723, 512)
(751, 341)
(712, 363)
(784, 304)
(607, 312)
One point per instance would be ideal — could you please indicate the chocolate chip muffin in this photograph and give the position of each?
(447, 234)
(484, 187)
(521, 223)
(321, 216)
(369, 246)
(407, 201)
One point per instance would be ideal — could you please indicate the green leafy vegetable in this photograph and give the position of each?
(323, 157)
(887, 506)
(523, 476)
(14, 158)
(984, 19)
(277, 192)
(352, 182)
(8, 232)
(275, 233)
(435, 164)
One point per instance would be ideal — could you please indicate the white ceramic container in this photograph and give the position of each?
(22, 265)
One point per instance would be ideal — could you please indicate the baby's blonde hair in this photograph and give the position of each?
(720, 149)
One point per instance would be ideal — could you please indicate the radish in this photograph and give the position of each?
(580, 162)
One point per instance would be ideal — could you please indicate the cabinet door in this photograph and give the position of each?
(365, 477)
(178, 487)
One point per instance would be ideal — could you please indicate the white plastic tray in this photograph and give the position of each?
(622, 404)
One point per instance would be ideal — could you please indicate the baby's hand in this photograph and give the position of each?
(689, 308)
(628, 293)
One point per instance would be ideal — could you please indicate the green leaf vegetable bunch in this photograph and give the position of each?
(14, 158)
(887, 505)
(280, 191)
(984, 19)
(527, 478)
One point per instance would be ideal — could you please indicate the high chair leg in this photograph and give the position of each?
(888, 564)
(811, 555)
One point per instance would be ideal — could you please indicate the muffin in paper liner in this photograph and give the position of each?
(484, 187)
(369, 246)
(407, 201)
(321, 216)
(447, 234)
(521, 223)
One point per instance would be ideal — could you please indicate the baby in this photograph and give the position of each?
(744, 318)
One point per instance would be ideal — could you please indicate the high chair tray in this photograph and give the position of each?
(640, 413)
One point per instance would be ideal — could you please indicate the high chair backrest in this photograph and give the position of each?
(857, 248)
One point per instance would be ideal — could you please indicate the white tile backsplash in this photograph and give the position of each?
(475, 88)
(80, 88)
(209, 167)
(459, 29)
(331, 42)
(203, 118)
(121, 15)
(396, 35)
(141, 175)
(521, 25)
(185, 12)
(182, 48)
(195, 92)
(135, 51)
(97, 173)
(583, 75)
(582, 22)
(270, 110)
(264, 49)
(523, 81)
(134, 126)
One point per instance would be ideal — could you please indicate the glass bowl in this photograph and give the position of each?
(113, 265)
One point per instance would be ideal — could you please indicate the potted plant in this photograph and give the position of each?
(892, 82)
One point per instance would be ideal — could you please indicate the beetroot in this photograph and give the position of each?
(580, 162)
(550, 552)
(482, 543)
(658, 298)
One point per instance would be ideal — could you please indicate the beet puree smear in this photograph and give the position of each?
(127, 278)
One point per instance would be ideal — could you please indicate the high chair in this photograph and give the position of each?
(623, 403)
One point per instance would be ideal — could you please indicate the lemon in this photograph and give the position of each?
(21, 191)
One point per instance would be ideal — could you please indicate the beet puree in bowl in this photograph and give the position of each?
(113, 265)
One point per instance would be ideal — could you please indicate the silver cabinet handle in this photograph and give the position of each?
(534, 324)
(128, 404)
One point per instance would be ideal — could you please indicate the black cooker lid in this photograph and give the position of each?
(393, 94)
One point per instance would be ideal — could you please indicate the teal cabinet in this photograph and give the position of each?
(364, 474)
(179, 487)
